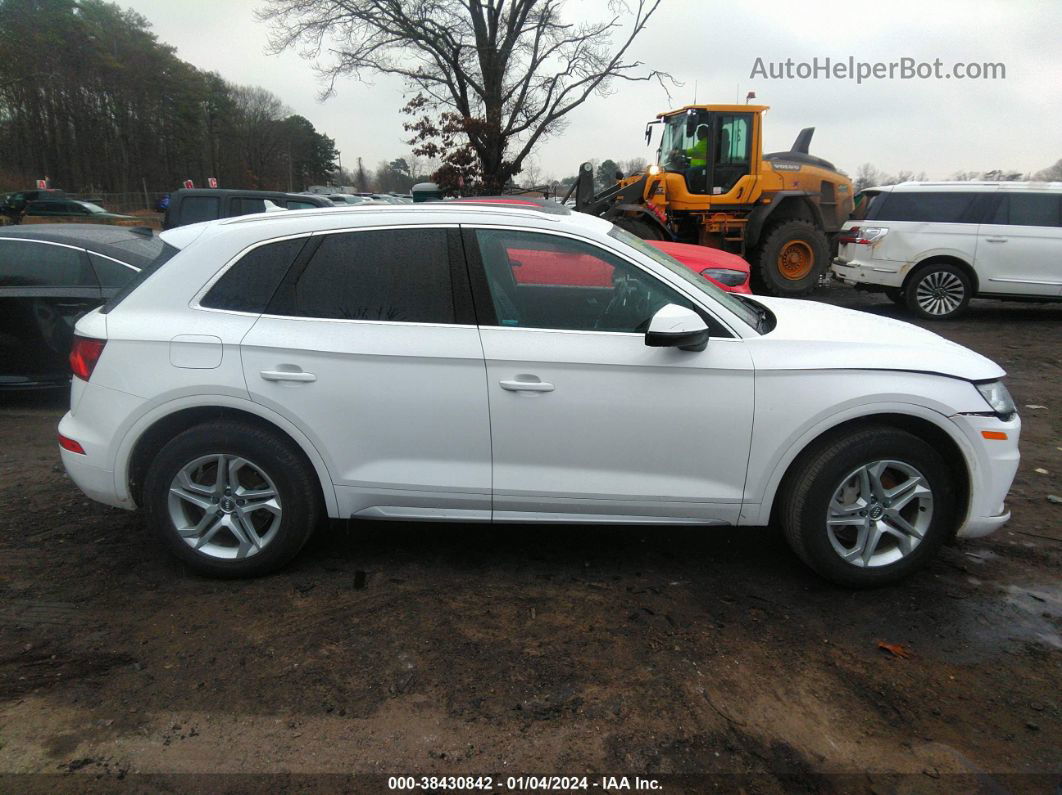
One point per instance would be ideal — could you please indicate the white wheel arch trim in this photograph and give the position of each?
(753, 513)
(157, 412)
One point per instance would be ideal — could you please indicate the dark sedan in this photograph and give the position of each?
(50, 275)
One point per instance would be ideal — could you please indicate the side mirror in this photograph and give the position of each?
(676, 326)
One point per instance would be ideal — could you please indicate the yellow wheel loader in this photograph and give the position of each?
(712, 185)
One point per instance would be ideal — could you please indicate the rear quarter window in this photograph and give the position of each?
(941, 207)
(249, 284)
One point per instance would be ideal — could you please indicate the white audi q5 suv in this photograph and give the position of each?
(516, 362)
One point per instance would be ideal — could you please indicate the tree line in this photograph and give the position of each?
(869, 176)
(91, 99)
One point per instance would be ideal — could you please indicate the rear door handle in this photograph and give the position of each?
(995, 240)
(526, 386)
(287, 375)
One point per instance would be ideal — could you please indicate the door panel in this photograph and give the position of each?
(1016, 257)
(585, 418)
(626, 430)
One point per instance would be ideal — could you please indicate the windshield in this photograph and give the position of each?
(680, 138)
(92, 208)
(739, 308)
(141, 246)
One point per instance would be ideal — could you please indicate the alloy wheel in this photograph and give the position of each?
(879, 513)
(940, 293)
(224, 506)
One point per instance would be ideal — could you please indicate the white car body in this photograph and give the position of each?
(430, 421)
(1004, 258)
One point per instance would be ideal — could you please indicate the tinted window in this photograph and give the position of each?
(109, 272)
(29, 264)
(242, 205)
(867, 203)
(297, 205)
(394, 274)
(1029, 209)
(140, 246)
(938, 207)
(541, 281)
(199, 208)
(249, 284)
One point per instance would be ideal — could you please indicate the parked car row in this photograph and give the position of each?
(51, 275)
(932, 246)
(271, 370)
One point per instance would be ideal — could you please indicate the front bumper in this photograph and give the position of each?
(993, 465)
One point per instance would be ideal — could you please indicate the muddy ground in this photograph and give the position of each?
(455, 650)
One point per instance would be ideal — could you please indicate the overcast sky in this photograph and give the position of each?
(938, 126)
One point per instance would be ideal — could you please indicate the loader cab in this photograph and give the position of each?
(711, 146)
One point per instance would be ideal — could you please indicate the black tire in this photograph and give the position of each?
(790, 239)
(805, 499)
(895, 294)
(295, 481)
(640, 228)
(938, 291)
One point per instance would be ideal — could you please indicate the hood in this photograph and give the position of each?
(812, 335)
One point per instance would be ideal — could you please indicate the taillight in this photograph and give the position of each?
(865, 236)
(84, 354)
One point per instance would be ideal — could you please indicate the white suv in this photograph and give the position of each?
(932, 246)
(516, 363)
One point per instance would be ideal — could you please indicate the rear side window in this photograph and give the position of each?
(1029, 209)
(249, 284)
(866, 203)
(400, 275)
(199, 208)
(111, 273)
(297, 205)
(25, 263)
(935, 207)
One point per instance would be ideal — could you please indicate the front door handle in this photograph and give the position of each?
(520, 385)
(995, 240)
(287, 375)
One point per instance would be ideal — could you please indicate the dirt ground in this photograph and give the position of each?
(710, 660)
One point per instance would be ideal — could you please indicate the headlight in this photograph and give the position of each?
(725, 276)
(654, 170)
(997, 396)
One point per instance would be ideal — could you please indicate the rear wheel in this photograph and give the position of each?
(939, 291)
(869, 508)
(791, 258)
(232, 500)
(639, 228)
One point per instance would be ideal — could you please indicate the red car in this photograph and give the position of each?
(725, 270)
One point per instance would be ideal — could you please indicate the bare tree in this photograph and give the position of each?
(510, 70)
(1051, 173)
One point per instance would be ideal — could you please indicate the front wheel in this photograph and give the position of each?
(938, 292)
(231, 499)
(869, 508)
(791, 258)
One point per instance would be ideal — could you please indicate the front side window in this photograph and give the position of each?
(25, 263)
(1029, 209)
(950, 207)
(249, 284)
(541, 281)
(399, 275)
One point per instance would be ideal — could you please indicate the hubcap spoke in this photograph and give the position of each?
(195, 498)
